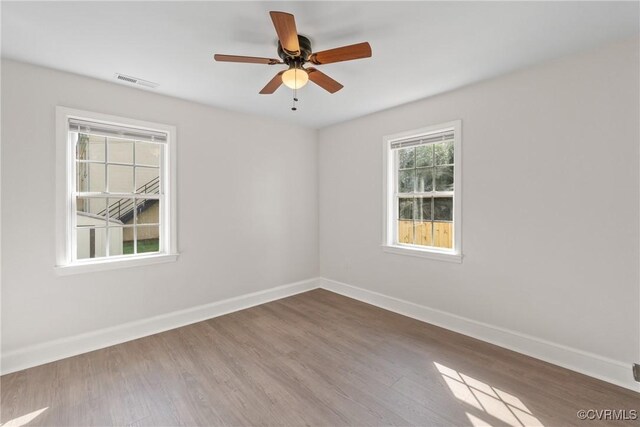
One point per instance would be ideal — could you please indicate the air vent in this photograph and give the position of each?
(136, 81)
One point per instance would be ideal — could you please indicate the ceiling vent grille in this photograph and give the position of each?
(136, 81)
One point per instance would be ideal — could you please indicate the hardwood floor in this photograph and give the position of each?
(316, 358)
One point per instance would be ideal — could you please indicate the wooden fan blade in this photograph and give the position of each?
(344, 53)
(285, 25)
(324, 81)
(273, 84)
(246, 59)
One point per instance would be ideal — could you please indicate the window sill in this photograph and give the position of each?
(424, 253)
(113, 264)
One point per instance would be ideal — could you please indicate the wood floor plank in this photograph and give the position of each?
(317, 359)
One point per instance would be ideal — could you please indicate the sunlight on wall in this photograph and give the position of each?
(500, 405)
(25, 419)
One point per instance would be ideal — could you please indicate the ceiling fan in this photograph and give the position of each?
(295, 51)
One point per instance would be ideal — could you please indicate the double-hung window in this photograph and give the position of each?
(422, 194)
(116, 190)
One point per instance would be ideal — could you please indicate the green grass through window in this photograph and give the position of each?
(149, 245)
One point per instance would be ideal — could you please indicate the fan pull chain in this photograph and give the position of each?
(295, 99)
(295, 90)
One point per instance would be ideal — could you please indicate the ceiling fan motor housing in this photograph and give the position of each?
(305, 52)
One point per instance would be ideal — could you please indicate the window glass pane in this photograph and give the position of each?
(128, 240)
(444, 178)
(148, 211)
(424, 179)
(148, 239)
(118, 217)
(406, 158)
(90, 177)
(405, 208)
(423, 209)
(90, 147)
(82, 145)
(423, 233)
(121, 211)
(425, 221)
(120, 179)
(424, 155)
(406, 180)
(91, 211)
(120, 150)
(147, 180)
(444, 153)
(443, 209)
(120, 241)
(405, 232)
(147, 153)
(97, 148)
(443, 234)
(91, 242)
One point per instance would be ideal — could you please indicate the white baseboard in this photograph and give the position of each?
(600, 367)
(28, 357)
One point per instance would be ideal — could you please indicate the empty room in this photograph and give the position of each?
(309, 213)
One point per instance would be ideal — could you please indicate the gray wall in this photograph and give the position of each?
(247, 209)
(549, 203)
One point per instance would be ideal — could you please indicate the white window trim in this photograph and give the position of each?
(388, 227)
(64, 203)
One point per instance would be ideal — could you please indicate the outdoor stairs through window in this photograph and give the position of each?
(122, 209)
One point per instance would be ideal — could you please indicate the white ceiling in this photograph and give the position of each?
(419, 48)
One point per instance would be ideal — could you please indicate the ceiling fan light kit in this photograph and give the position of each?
(295, 78)
(295, 51)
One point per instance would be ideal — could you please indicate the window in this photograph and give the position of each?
(117, 190)
(422, 194)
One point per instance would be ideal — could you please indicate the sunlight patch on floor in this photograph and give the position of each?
(497, 403)
(25, 419)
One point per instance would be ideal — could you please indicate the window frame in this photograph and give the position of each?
(390, 179)
(66, 262)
